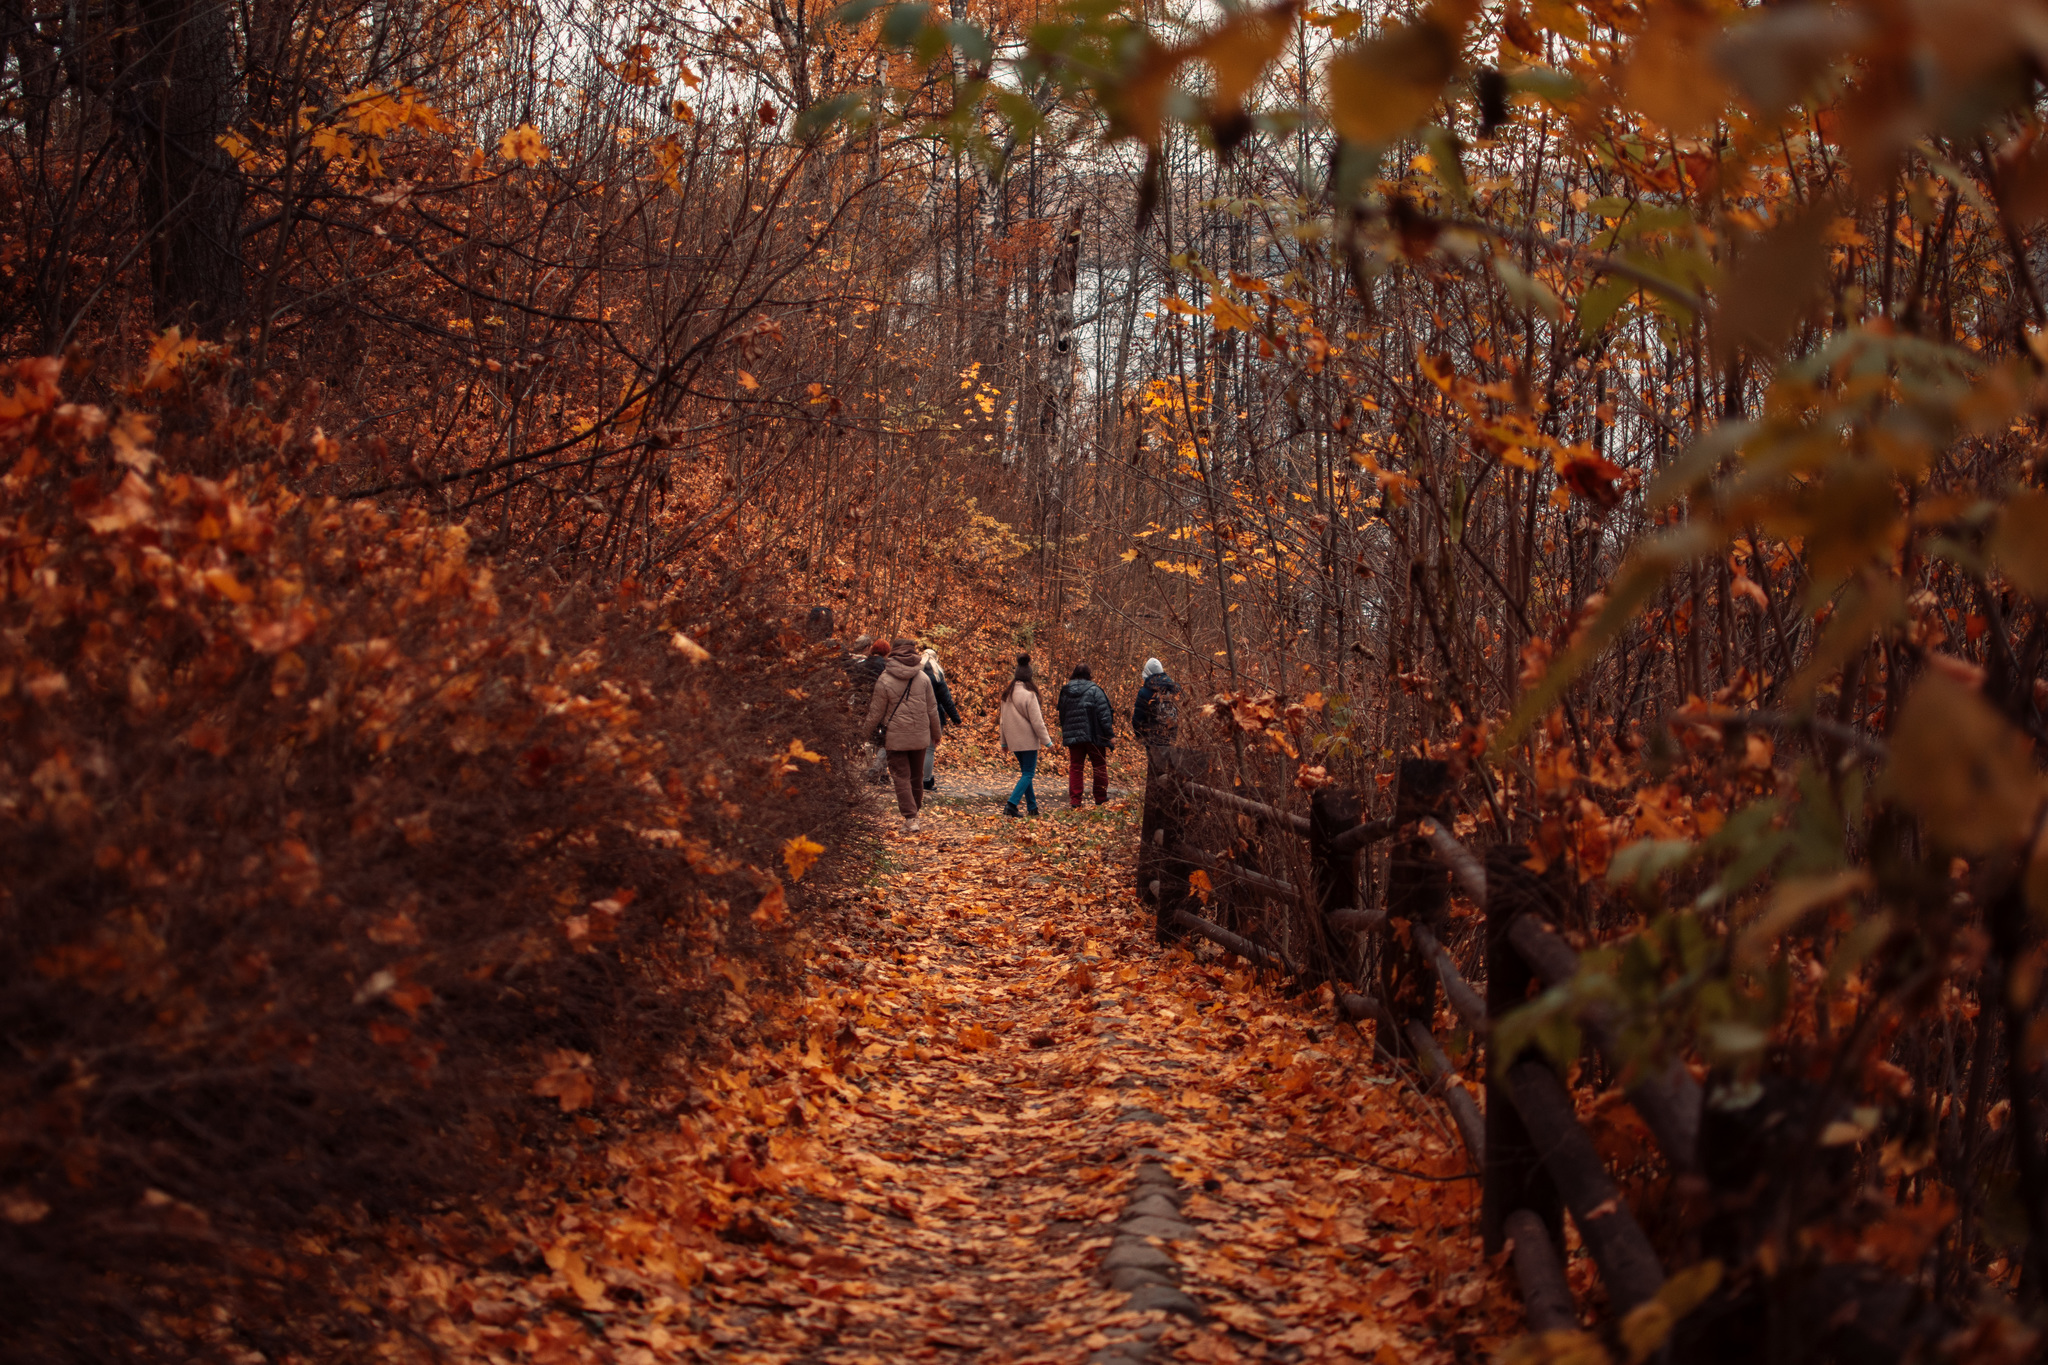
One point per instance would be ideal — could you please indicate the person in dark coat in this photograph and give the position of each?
(949, 714)
(1088, 729)
(866, 671)
(1155, 715)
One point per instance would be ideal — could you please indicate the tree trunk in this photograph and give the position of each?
(183, 96)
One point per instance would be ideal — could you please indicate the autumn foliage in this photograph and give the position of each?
(331, 853)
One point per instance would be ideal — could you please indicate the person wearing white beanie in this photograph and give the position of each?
(1155, 715)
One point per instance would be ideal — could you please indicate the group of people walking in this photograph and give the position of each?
(911, 706)
(1087, 728)
(907, 716)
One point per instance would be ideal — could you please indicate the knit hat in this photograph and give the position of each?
(1153, 666)
(879, 647)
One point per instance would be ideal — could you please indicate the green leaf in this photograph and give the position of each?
(1525, 289)
(1640, 864)
(904, 24)
(1546, 83)
(1601, 301)
(1698, 463)
(969, 40)
(1444, 149)
(824, 114)
(1640, 578)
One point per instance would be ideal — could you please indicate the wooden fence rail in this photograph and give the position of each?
(1535, 1158)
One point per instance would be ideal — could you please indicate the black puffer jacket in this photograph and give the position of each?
(1085, 715)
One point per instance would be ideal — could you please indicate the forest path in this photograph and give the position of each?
(1008, 1127)
(1039, 1074)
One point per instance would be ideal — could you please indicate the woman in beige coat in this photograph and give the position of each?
(905, 706)
(1023, 724)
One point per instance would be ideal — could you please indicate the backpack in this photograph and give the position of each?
(1162, 709)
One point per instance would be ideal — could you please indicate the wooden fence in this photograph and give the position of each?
(1536, 1160)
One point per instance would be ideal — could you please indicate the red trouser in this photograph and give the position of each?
(1092, 753)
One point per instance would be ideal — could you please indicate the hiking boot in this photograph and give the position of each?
(931, 784)
(1010, 809)
(913, 827)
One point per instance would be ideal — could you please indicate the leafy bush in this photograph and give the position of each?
(328, 851)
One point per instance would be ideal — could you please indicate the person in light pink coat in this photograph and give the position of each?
(1023, 724)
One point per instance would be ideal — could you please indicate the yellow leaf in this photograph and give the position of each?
(1382, 88)
(1563, 18)
(1129, 555)
(1649, 1325)
(748, 381)
(227, 585)
(799, 854)
(131, 437)
(568, 1080)
(1963, 768)
(2020, 543)
(774, 906)
(523, 144)
(1230, 314)
(1242, 48)
(1341, 24)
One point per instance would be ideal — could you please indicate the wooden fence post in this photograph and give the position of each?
(1418, 891)
(1515, 1176)
(1331, 812)
(1162, 872)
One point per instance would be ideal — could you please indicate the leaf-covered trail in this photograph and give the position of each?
(1000, 1061)
(1027, 1048)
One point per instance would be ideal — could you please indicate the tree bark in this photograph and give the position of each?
(182, 95)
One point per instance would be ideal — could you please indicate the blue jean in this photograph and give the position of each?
(1027, 759)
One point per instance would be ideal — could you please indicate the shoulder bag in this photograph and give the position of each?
(880, 736)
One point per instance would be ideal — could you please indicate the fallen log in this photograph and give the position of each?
(1546, 1294)
(1297, 824)
(1237, 943)
(1628, 1263)
(1669, 1102)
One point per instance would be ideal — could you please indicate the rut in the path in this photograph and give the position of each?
(1015, 1129)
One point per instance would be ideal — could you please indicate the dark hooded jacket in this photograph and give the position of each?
(1155, 715)
(1085, 715)
(949, 714)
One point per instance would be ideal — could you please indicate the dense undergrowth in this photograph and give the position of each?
(334, 857)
